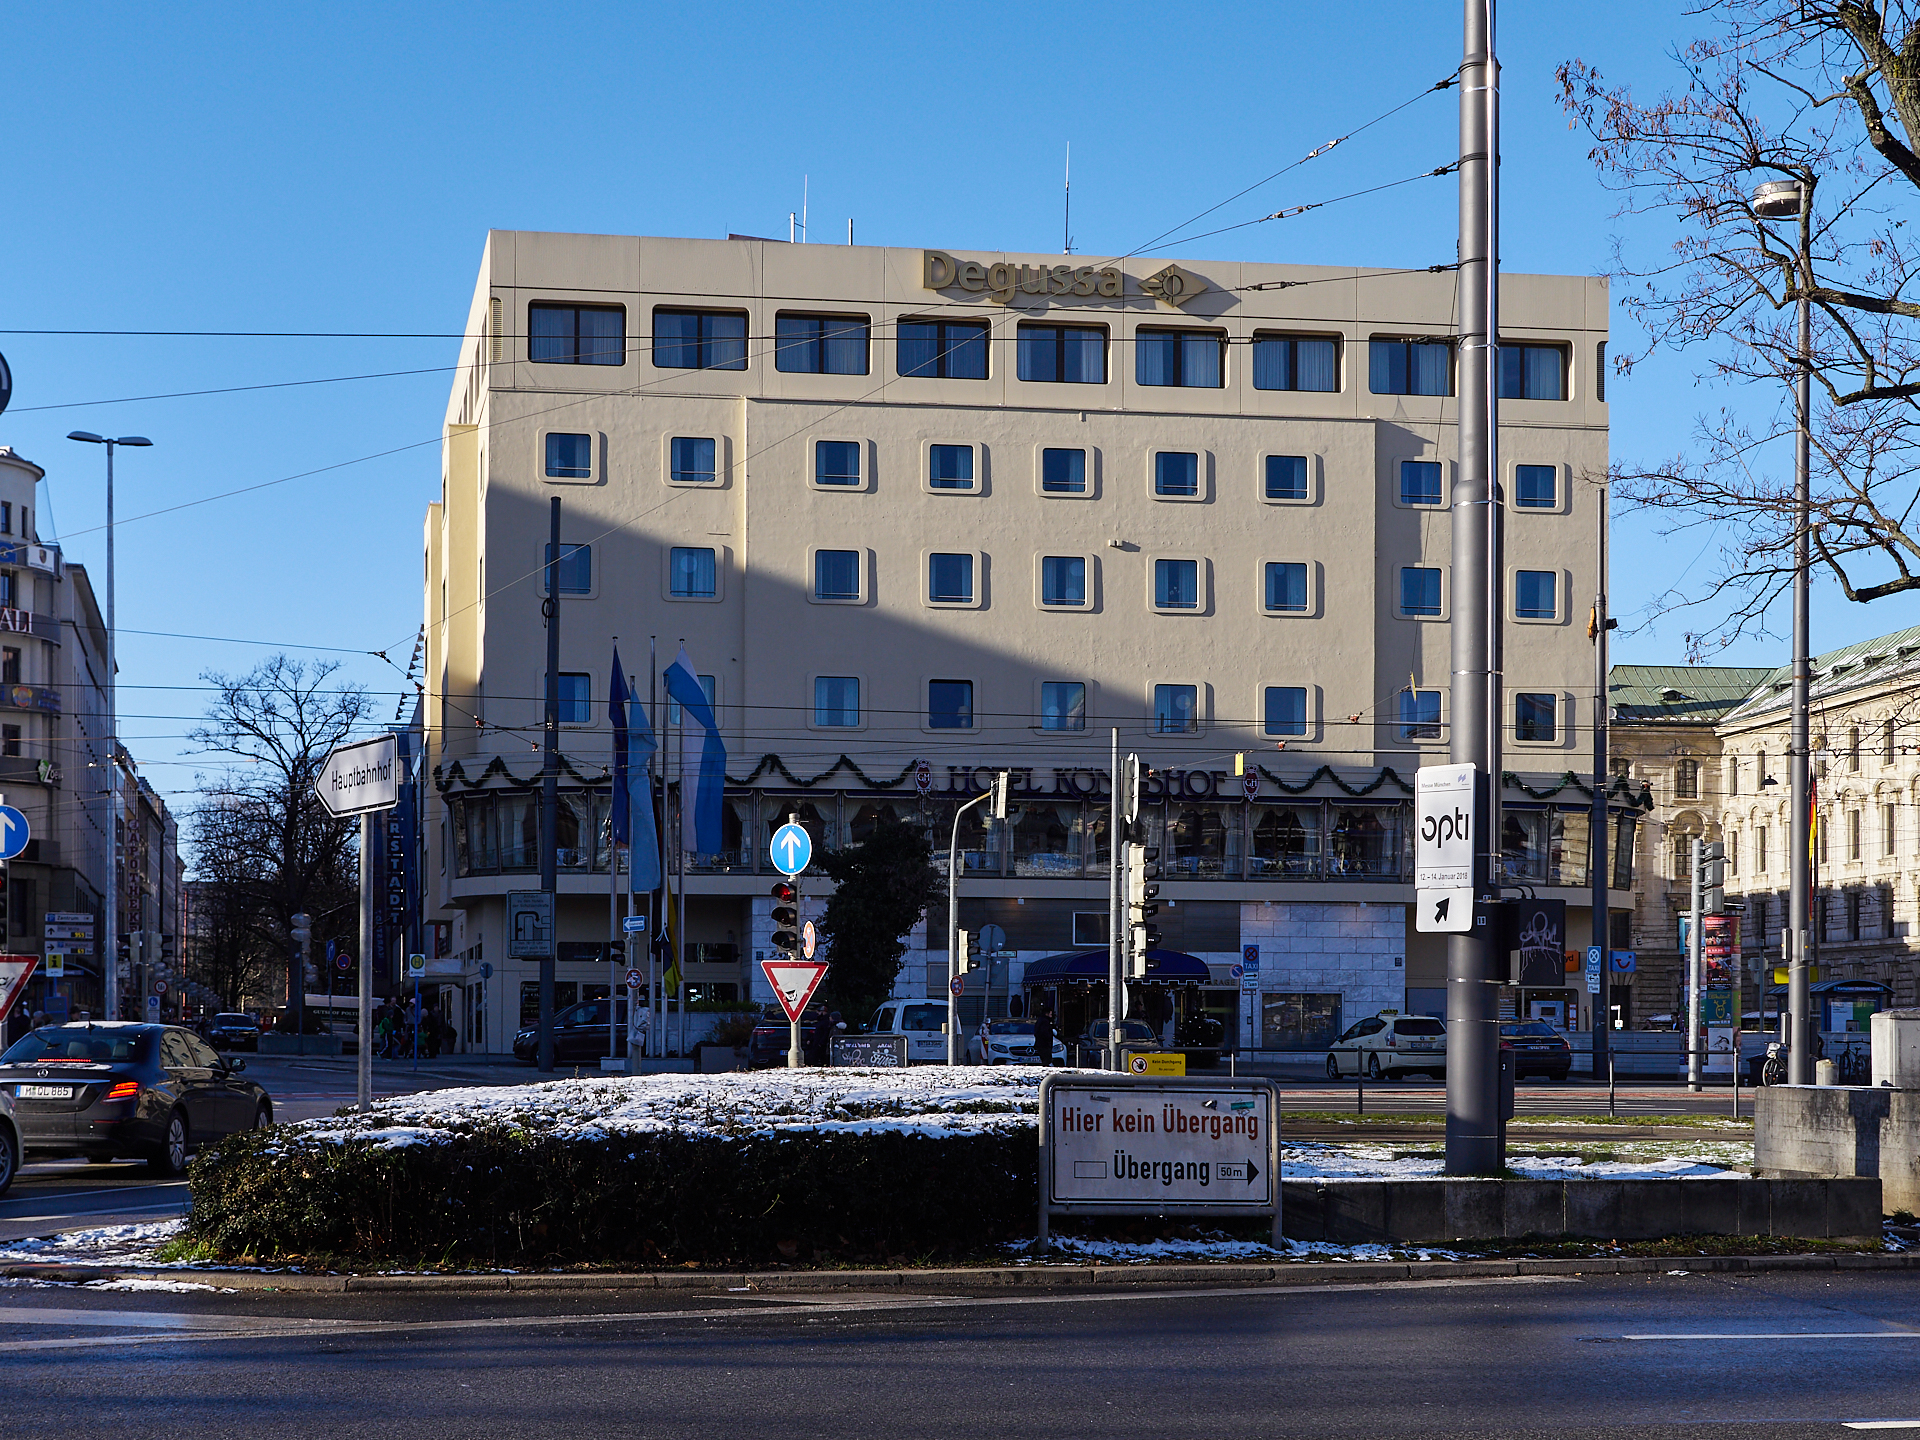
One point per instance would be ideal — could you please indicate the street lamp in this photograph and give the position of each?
(110, 972)
(1792, 200)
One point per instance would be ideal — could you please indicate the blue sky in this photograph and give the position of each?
(334, 168)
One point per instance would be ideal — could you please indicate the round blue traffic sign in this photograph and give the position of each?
(792, 848)
(13, 832)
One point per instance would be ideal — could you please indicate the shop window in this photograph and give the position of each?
(1299, 1020)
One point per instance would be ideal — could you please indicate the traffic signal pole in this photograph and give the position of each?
(550, 788)
(998, 795)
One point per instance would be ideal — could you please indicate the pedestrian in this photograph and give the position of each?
(1042, 1035)
(639, 1025)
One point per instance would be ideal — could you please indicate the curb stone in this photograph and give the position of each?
(996, 1277)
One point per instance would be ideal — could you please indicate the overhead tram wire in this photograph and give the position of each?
(1293, 210)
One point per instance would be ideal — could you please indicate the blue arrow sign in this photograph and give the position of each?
(13, 832)
(792, 848)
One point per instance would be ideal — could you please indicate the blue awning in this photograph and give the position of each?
(1869, 988)
(1172, 967)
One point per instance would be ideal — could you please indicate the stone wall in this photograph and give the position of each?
(1834, 1130)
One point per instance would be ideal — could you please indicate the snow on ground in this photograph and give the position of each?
(1072, 1249)
(105, 1245)
(1645, 1160)
(146, 1283)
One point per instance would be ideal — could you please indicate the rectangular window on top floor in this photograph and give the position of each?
(577, 334)
(1537, 486)
(1288, 362)
(820, 344)
(1420, 482)
(1189, 358)
(1286, 477)
(569, 457)
(941, 349)
(1410, 367)
(699, 340)
(1287, 587)
(1063, 472)
(1063, 705)
(1284, 710)
(949, 704)
(836, 701)
(1063, 354)
(690, 460)
(695, 575)
(575, 570)
(1533, 372)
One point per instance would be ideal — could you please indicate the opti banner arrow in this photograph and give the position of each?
(794, 981)
(15, 971)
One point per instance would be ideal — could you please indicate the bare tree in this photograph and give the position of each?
(1825, 93)
(263, 843)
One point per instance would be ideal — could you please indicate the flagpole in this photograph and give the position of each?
(680, 929)
(614, 742)
(656, 899)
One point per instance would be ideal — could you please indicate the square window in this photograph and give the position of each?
(950, 578)
(1090, 928)
(1419, 715)
(577, 334)
(1176, 709)
(950, 467)
(941, 349)
(949, 704)
(694, 574)
(1533, 372)
(1176, 472)
(1176, 585)
(1063, 472)
(1535, 594)
(1063, 354)
(1536, 718)
(575, 694)
(1536, 486)
(1284, 710)
(569, 457)
(1410, 367)
(820, 344)
(575, 569)
(1063, 705)
(1419, 482)
(691, 460)
(836, 574)
(1419, 590)
(1284, 362)
(1177, 357)
(836, 462)
(1287, 586)
(836, 701)
(699, 340)
(1063, 580)
(1286, 477)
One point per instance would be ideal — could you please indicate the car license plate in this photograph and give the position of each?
(45, 1092)
(1420, 1045)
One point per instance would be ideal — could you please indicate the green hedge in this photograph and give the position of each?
(505, 1196)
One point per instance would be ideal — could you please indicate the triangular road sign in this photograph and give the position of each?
(794, 981)
(15, 971)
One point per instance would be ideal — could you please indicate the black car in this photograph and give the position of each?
(772, 1037)
(233, 1032)
(579, 1034)
(1538, 1049)
(111, 1088)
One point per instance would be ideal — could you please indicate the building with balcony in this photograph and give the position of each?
(917, 516)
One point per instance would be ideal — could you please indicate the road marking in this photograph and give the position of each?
(116, 1190)
(171, 1208)
(1881, 1424)
(241, 1327)
(1787, 1335)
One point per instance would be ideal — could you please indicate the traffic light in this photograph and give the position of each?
(999, 802)
(969, 951)
(1143, 869)
(1713, 877)
(786, 918)
(123, 955)
(167, 950)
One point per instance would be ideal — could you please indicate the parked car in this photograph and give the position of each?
(234, 1031)
(923, 1022)
(111, 1088)
(1008, 1042)
(10, 1150)
(1538, 1049)
(772, 1038)
(580, 1034)
(1134, 1035)
(1389, 1046)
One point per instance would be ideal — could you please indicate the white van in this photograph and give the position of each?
(923, 1022)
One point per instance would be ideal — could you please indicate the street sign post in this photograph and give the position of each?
(57, 966)
(809, 940)
(794, 982)
(359, 779)
(1159, 1145)
(1593, 969)
(14, 832)
(634, 981)
(792, 848)
(529, 924)
(15, 971)
(633, 925)
(1443, 849)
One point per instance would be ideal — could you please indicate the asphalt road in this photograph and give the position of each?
(1699, 1356)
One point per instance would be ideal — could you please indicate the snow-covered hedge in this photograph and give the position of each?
(670, 1169)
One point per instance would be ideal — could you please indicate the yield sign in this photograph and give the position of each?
(15, 971)
(794, 981)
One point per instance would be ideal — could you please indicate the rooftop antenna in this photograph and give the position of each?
(1066, 224)
(790, 219)
(803, 208)
(849, 230)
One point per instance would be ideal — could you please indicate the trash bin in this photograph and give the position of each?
(1826, 1072)
(1895, 1036)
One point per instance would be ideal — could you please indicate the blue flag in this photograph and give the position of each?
(701, 797)
(633, 747)
(622, 833)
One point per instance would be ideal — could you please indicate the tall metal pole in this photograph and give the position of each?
(1116, 905)
(550, 785)
(1695, 928)
(1474, 968)
(656, 898)
(953, 928)
(111, 970)
(364, 1053)
(1597, 826)
(1800, 1036)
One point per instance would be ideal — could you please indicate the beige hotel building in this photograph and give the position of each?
(917, 515)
